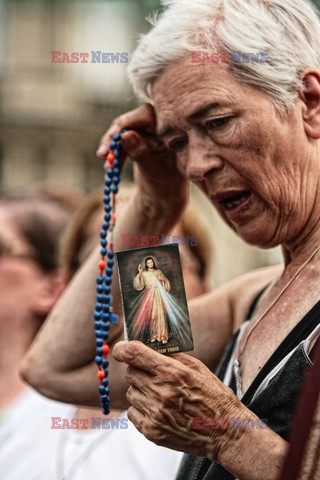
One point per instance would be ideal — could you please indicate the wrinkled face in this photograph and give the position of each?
(228, 139)
(150, 263)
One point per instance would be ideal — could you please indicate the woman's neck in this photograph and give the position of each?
(303, 246)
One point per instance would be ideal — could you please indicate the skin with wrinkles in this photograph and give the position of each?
(172, 379)
(254, 150)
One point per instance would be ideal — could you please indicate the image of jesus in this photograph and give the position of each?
(151, 310)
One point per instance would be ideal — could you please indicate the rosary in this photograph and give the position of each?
(103, 314)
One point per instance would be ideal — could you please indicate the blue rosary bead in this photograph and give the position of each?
(108, 280)
(110, 263)
(109, 272)
(99, 351)
(98, 360)
(99, 334)
(105, 382)
(107, 208)
(96, 315)
(107, 216)
(105, 308)
(110, 253)
(105, 335)
(105, 363)
(102, 234)
(114, 318)
(110, 172)
(100, 298)
(113, 145)
(97, 325)
(104, 399)
(103, 252)
(109, 182)
(116, 180)
(100, 279)
(106, 290)
(98, 308)
(99, 342)
(114, 188)
(107, 299)
(103, 242)
(105, 317)
(100, 289)
(102, 390)
(106, 199)
(116, 137)
(116, 163)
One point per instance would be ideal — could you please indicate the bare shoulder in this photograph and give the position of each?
(243, 290)
(217, 315)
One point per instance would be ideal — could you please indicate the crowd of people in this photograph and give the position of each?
(248, 135)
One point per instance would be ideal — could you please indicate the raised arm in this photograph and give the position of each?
(60, 361)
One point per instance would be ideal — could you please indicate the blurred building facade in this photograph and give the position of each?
(53, 115)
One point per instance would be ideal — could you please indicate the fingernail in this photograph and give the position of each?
(102, 150)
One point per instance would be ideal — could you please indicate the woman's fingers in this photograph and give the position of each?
(141, 117)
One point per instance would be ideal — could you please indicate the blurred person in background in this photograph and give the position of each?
(128, 453)
(30, 284)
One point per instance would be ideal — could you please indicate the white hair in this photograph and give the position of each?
(288, 30)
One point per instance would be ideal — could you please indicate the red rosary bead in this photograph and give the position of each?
(101, 375)
(106, 349)
(110, 158)
(102, 264)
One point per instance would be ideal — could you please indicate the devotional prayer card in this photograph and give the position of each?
(154, 299)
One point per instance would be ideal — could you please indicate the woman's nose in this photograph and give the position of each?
(201, 159)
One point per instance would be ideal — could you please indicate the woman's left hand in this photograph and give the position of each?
(168, 393)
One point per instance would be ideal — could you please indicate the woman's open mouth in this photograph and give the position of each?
(234, 203)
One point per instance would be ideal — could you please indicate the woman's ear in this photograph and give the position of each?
(48, 290)
(310, 96)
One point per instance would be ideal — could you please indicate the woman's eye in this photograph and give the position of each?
(217, 122)
(177, 144)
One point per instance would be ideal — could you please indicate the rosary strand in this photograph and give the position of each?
(103, 314)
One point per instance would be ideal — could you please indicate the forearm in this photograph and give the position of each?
(64, 349)
(254, 453)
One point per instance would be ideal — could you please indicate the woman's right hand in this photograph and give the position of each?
(139, 268)
(156, 173)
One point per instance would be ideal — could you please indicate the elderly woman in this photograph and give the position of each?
(248, 134)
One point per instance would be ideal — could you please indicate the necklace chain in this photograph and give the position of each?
(239, 352)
